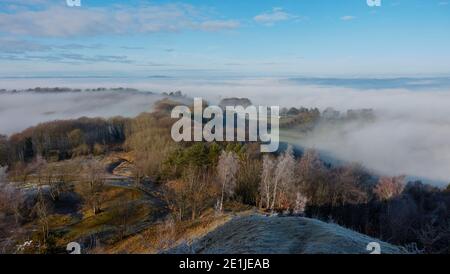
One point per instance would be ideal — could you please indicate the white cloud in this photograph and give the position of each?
(15, 46)
(61, 21)
(215, 25)
(274, 16)
(348, 18)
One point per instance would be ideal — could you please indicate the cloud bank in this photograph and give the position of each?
(19, 111)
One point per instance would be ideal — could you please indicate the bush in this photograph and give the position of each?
(98, 149)
(81, 150)
(3, 150)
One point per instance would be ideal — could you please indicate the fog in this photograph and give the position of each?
(19, 111)
(410, 135)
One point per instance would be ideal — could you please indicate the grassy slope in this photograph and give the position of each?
(257, 234)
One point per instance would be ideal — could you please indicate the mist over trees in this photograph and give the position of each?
(62, 158)
(62, 139)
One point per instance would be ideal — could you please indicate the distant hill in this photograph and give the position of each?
(257, 234)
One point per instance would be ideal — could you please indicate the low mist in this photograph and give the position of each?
(21, 110)
(410, 135)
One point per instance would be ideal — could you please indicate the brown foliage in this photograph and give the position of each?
(150, 143)
(93, 184)
(389, 187)
(191, 195)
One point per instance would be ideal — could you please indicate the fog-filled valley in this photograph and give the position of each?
(20, 110)
(409, 135)
(93, 163)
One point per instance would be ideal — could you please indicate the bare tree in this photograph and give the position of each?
(284, 174)
(300, 203)
(23, 172)
(193, 193)
(248, 180)
(198, 189)
(347, 185)
(11, 201)
(4, 150)
(267, 175)
(310, 166)
(124, 210)
(313, 177)
(50, 177)
(227, 169)
(429, 235)
(42, 210)
(389, 187)
(94, 184)
(3, 174)
(150, 144)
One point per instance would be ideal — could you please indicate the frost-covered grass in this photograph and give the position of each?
(256, 234)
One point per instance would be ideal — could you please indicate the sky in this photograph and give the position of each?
(198, 38)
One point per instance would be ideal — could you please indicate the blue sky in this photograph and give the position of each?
(209, 37)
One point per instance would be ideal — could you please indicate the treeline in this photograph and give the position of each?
(417, 218)
(299, 117)
(306, 118)
(66, 89)
(60, 140)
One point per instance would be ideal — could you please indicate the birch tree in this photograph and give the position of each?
(227, 168)
(267, 175)
(300, 203)
(284, 174)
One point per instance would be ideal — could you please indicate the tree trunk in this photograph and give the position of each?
(193, 212)
(221, 199)
(274, 195)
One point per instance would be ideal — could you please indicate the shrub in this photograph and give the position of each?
(98, 149)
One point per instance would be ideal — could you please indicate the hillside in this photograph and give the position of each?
(256, 234)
